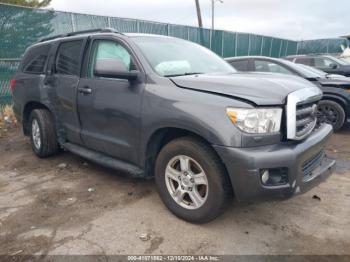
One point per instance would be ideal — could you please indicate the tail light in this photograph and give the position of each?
(12, 84)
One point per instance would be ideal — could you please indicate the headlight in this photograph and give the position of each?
(256, 120)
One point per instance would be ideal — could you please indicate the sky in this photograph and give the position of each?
(290, 19)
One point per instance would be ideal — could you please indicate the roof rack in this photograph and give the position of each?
(99, 30)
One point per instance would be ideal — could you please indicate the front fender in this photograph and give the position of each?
(200, 113)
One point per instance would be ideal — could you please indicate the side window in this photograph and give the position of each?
(34, 62)
(68, 58)
(304, 61)
(240, 65)
(324, 62)
(268, 66)
(107, 49)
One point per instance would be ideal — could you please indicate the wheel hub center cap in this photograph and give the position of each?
(186, 181)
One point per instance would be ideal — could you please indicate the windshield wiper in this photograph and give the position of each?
(184, 74)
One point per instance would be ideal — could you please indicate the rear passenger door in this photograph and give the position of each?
(66, 79)
(109, 108)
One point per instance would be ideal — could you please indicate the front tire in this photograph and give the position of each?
(332, 113)
(42, 133)
(192, 180)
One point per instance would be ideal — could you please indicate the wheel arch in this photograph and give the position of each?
(162, 136)
(28, 108)
(338, 99)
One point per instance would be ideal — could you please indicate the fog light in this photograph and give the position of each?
(274, 176)
(265, 176)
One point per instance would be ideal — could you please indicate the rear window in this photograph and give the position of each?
(68, 58)
(35, 60)
(240, 65)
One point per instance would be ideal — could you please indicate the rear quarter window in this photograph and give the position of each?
(35, 60)
(68, 58)
(240, 65)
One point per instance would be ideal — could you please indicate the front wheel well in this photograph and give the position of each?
(29, 107)
(162, 137)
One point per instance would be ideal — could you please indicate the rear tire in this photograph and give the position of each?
(332, 113)
(43, 136)
(191, 180)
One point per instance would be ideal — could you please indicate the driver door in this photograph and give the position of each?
(327, 65)
(109, 108)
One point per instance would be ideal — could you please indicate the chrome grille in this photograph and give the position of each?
(305, 118)
(301, 112)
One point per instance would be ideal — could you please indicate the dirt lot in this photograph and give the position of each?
(66, 205)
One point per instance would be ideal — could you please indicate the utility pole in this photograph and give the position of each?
(213, 11)
(199, 15)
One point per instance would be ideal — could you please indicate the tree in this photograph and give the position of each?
(21, 27)
(28, 3)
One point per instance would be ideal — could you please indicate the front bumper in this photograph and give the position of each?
(244, 166)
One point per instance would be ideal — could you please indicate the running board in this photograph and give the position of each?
(103, 159)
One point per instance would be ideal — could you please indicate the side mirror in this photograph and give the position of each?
(333, 66)
(113, 68)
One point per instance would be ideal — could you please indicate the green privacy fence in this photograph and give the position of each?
(20, 27)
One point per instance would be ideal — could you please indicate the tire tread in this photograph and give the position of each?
(49, 145)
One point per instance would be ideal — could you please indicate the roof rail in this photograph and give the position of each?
(99, 30)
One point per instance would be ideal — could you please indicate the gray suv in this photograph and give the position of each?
(326, 63)
(164, 107)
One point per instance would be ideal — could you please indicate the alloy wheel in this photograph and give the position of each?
(186, 182)
(36, 135)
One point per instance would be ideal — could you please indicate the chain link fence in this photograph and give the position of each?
(322, 46)
(8, 68)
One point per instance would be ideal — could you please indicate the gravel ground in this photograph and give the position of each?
(66, 205)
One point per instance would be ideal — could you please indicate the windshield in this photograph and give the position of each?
(345, 59)
(174, 57)
(306, 71)
(314, 70)
(339, 61)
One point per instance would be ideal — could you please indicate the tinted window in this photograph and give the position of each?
(102, 49)
(269, 66)
(240, 65)
(34, 62)
(68, 58)
(304, 61)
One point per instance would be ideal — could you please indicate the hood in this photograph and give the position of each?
(343, 68)
(335, 82)
(257, 88)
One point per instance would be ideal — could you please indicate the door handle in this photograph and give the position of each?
(85, 90)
